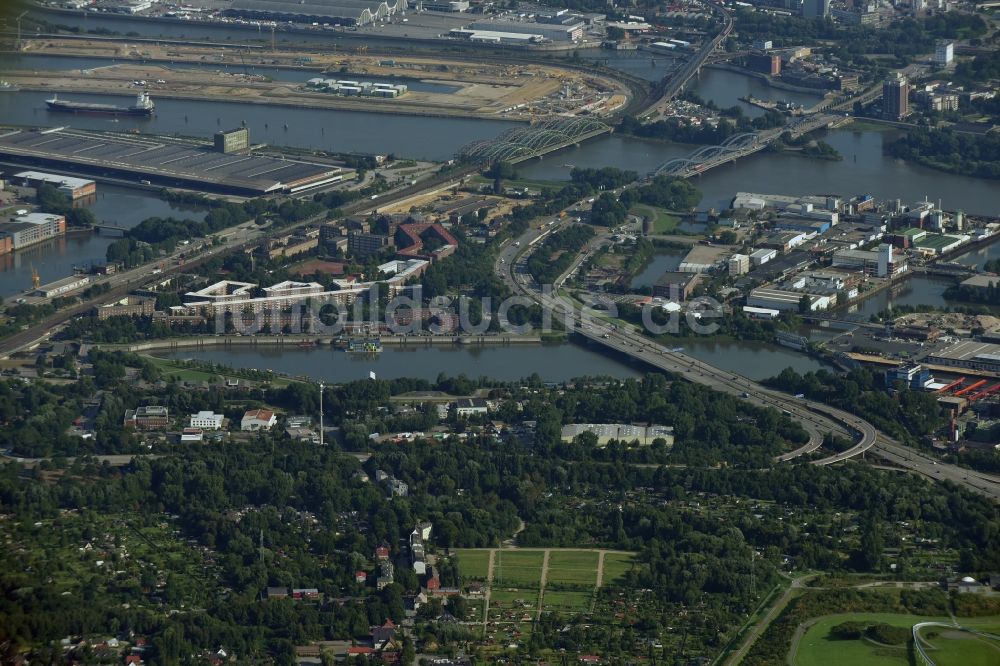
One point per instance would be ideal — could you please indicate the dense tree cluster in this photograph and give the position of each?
(51, 200)
(908, 415)
(677, 130)
(950, 151)
(557, 252)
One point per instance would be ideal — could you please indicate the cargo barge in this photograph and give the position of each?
(143, 106)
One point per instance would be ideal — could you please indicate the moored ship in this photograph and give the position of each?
(364, 346)
(143, 106)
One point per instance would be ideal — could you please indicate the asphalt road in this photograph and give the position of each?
(817, 418)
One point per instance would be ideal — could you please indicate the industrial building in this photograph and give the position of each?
(232, 141)
(762, 256)
(74, 188)
(676, 286)
(63, 286)
(554, 32)
(703, 258)
(883, 263)
(970, 354)
(496, 36)
(29, 229)
(166, 162)
(788, 300)
(333, 12)
(357, 88)
(913, 376)
(606, 432)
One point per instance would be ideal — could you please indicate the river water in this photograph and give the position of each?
(45, 63)
(554, 363)
(865, 169)
(324, 129)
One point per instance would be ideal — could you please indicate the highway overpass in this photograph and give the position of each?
(817, 418)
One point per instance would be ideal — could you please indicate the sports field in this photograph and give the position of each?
(960, 648)
(946, 647)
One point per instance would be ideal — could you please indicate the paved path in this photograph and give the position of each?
(541, 583)
(764, 622)
(600, 579)
(486, 592)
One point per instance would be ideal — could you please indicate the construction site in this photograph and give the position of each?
(451, 87)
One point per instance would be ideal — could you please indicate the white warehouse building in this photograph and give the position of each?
(550, 31)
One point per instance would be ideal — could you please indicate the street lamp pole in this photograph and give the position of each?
(321, 413)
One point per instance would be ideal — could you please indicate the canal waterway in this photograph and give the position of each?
(554, 363)
(55, 259)
(662, 262)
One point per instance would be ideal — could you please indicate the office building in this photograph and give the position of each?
(31, 228)
(233, 141)
(765, 63)
(206, 420)
(739, 264)
(896, 98)
(944, 52)
(130, 306)
(152, 417)
(815, 9)
(363, 245)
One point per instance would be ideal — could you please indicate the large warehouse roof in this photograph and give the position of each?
(167, 162)
(358, 12)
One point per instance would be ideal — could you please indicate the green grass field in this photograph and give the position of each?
(566, 601)
(817, 649)
(615, 567)
(663, 222)
(171, 368)
(959, 648)
(473, 564)
(575, 567)
(514, 596)
(517, 568)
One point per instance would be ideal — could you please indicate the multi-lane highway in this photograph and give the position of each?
(674, 82)
(817, 418)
